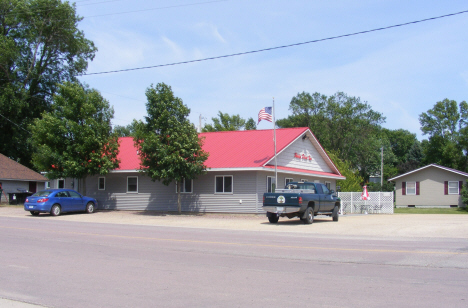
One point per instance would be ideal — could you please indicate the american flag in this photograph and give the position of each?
(265, 114)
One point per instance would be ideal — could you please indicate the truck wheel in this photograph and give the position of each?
(272, 217)
(309, 216)
(335, 213)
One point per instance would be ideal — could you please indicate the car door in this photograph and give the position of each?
(327, 197)
(64, 199)
(76, 201)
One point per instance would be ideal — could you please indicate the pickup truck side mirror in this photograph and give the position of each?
(332, 192)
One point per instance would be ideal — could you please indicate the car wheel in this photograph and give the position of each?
(309, 216)
(55, 210)
(335, 213)
(34, 213)
(272, 217)
(90, 208)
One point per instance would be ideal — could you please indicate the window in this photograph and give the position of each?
(187, 186)
(102, 183)
(74, 194)
(325, 189)
(287, 180)
(411, 188)
(453, 188)
(132, 184)
(47, 184)
(223, 184)
(328, 184)
(271, 184)
(61, 183)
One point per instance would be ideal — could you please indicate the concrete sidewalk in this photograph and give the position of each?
(372, 225)
(6, 303)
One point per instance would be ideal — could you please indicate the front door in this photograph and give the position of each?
(33, 187)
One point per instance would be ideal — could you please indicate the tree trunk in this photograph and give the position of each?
(179, 207)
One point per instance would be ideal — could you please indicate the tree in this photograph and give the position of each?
(74, 139)
(446, 125)
(464, 195)
(225, 122)
(168, 144)
(353, 180)
(40, 48)
(341, 123)
(126, 131)
(401, 141)
(250, 124)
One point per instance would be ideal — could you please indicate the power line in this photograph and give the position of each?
(280, 47)
(14, 123)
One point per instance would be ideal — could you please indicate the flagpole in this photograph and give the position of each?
(274, 133)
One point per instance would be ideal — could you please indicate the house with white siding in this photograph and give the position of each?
(429, 186)
(240, 168)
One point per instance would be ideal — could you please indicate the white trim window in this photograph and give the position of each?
(411, 188)
(61, 183)
(132, 184)
(224, 184)
(271, 184)
(288, 180)
(101, 183)
(187, 186)
(47, 184)
(453, 188)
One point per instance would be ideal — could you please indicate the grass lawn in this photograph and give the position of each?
(414, 210)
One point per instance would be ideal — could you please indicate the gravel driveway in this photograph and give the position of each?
(392, 226)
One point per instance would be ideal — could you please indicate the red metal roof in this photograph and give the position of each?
(231, 149)
(246, 148)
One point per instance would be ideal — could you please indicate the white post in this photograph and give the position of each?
(351, 202)
(274, 132)
(381, 168)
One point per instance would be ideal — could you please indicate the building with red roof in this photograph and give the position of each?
(240, 168)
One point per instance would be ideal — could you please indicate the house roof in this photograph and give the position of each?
(11, 170)
(247, 149)
(431, 165)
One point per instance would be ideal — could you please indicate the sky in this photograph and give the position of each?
(400, 72)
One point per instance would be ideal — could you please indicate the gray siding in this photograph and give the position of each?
(9, 186)
(431, 189)
(158, 197)
(247, 196)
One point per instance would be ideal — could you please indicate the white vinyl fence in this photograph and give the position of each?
(378, 203)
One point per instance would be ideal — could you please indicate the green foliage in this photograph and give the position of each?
(387, 186)
(126, 131)
(401, 141)
(225, 122)
(250, 124)
(353, 180)
(74, 139)
(342, 124)
(40, 48)
(446, 125)
(464, 194)
(169, 146)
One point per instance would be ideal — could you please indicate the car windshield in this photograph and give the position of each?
(43, 193)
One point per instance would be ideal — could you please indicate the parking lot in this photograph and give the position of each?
(372, 225)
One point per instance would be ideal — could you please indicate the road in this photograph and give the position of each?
(56, 263)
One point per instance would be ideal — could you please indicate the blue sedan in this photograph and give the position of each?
(57, 201)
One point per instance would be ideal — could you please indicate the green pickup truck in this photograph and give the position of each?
(301, 199)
